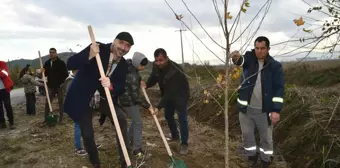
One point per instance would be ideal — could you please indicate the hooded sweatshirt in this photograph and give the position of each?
(132, 95)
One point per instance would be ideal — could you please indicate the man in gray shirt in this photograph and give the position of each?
(260, 100)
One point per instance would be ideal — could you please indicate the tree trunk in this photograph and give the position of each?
(226, 101)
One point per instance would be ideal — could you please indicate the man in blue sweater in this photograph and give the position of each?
(88, 80)
(260, 100)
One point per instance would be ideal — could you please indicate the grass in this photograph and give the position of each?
(313, 75)
(33, 144)
(307, 135)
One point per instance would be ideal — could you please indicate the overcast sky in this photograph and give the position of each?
(31, 25)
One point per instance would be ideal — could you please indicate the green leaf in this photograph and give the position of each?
(306, 30)
(246, 4)
(317, 8)
(244, 10)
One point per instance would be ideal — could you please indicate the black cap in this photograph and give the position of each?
(125, 36)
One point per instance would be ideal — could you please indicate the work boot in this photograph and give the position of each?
(11, 126)
(3, 125)
(171, 138)
(184, 149)
(96, 166)
(265, 164)
(252, 161)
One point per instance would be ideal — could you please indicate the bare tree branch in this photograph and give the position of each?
(201, 25)
(194, 33)
(319, 11)
(232, 42)
(258, 27)
(237, 19)
(320, 40)
(198, 57)
(286, 43)
(315, 40)
(219, 16)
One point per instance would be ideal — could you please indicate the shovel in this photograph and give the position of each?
(52, 118)
(173, 163)
(109, 99)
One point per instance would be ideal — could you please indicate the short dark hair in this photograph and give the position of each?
(53, 49)
(160, 51)
(144, 62)
(263, 38)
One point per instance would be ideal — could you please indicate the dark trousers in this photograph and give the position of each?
(30, 103)
(52, 92)
(182, 113)
(86, 127)
(5, 100)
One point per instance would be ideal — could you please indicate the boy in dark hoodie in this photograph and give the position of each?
(131, 99)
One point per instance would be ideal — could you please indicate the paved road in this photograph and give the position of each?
(18, 96)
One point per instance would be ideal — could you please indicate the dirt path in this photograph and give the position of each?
(18, 96)
(35, 145)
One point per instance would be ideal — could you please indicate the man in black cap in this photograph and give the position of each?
(88, 80)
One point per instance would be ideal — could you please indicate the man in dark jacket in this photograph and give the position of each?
(88, 80)
(56, 73)
(175, 93)
(260, 100)
(132, 98)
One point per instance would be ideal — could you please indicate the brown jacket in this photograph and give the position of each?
(30, 84)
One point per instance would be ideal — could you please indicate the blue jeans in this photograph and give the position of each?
(182, 113)
(77, 136)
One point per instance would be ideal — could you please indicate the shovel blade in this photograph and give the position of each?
(51, 120)
(177, 164)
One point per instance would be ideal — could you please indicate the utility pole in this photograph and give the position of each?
(9, 66)
(180, 32)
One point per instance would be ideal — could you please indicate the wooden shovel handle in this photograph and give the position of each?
(109, 99)
(157, 123)
(45, 84)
